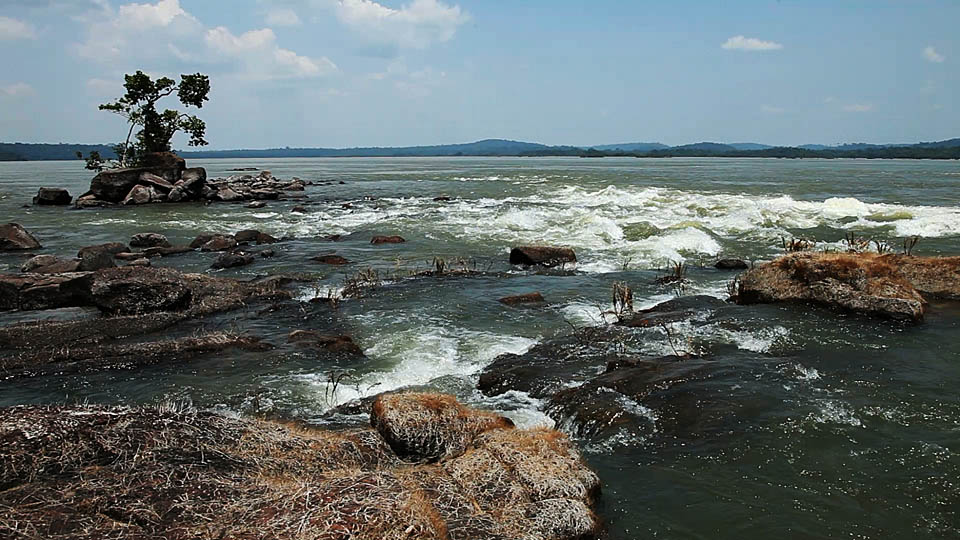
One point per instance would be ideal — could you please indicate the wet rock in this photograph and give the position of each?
(267, 253)
(731, 264)
(129, 256)
(166, 164)
(864, 283)
(937, 277)
(253, 235)
(147, 240)
(219, 242)
(92, 258)
(57, 266)
(298, 210)
(139, 195)
(139, 262)
(257, 204)
(226, 194)
(13, 237)
(113, 248)
(528, 298)
(429, 427)
(39, 261)
(676, 310)
(442, 198)
(166, 251)
(201, 239)
(387, 240)
(264, 194)
(158, 182)
(542, 255)
(90, 201)
(337, 344)
(35, 291)
(52, 196)
(129, 290)
(330, 238)
(330, 259)
(113, 185)
(232, 260)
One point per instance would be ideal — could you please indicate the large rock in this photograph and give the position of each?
(52, 196)
(219, 242)
(13, 237)
(95, 259)
(36, 291)
(149, 240)
(232, 260)
(938, 277)
(140, 194)
(166, 164)
(428, 427)
(50, 264)
(130, 290)
(387, 240)
(253, 235)
(111, 247)
(542, 255)
(113, 185)
(158, 182)
(859, 282)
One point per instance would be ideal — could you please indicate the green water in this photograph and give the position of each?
(808, 424)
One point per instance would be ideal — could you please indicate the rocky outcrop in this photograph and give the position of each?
(864, 283)
(129, 290)
(13, 237)
(159, 177)
(937, 277)
(548, 256)
(162, 473)
(52, 197)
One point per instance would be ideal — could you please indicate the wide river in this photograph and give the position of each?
(812, 424)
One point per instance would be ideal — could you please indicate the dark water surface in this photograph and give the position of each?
(806, 423)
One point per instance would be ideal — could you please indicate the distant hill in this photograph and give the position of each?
(705, 147)
(750, 146)
(631, 147)
(50, 152)
(487, 147)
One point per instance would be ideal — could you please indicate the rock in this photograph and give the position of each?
(330, 238)
(165, 251)
(267, 253)
(542, 255)
(937, 277)
(92, 259)
(296, 185)
(149, 240)
(429, 427)
(731, 264)
(13, 237)
(39, 261)
(113, 185)
(192, 181)
(257, 204)
(528, 298)
(52, 196)
(387, 240)
(219, 242)
(139, 262)
(90, 201)
(201, 239)
(138, 195)
(35, 291)
(260, 478)
(232, 260)
(676, 310)
(151, 180)
(130, 290)
(114, 248)
(127, 256)
(864, 283)
(298, 210)
(253, 235)
(330, 259)
(443, 198)
(226, 194)
(166, 164)
(337, 344)
(264, 194)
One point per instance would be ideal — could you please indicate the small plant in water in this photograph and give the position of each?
(622, 300)
(909, 244)
(882, 247)
(855, 244)
(794, 245)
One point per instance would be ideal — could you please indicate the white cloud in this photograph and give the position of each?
(263, 58)
(15, 29)
(742, 43)
(932, 55)
(103, 87)
(16, 90)
(113, 35)
(770, 109)
(283, 17)
(858, 107)
(415, 25)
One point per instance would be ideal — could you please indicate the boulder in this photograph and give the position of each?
(528, 298)
(219, 242)
(114, 248)
(429, 427)
(387, 240)
(337, 344)
(264, 194)
(226, 194)
(113, 185)
(90, 201)
(330, 238)
(39, 261)
(267, 253)
(139, 194)
(52, 196)
(157, 182)
(298, 210)
(131, 290)
(542, 255)
(201, 239)
(166, 251)
(330, 259)
(253, 235)
(731, 264)
(864, 283)
(95, 259)
(129, 256)
(48, 264)
(232, 260)
(166, 164)
(139, 262)
(36, 291)
(149, 240)
(937, 277)
(256, 205)
(676, 310)
(13, 237)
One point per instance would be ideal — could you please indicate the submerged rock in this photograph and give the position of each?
(218, 242)
(859, 282)
(165, 473)
(127, 290)
(336, 344)
(528, 298)
(330, 259)
(113, 248)
(14, 237)
(148, 240)
(542, 255)
(731, 264)
(232, 260)
(52, 196)
(387, 240)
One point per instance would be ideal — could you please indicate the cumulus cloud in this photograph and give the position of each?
(16, 90)
(415, 25)
(283, 17)
(15, 29)
(121, 33)
(742, 43)
(858, 107)
(932, 55)
(263, 57)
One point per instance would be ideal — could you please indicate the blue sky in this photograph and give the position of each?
(340, 73)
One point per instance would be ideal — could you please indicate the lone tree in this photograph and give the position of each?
(139, 107)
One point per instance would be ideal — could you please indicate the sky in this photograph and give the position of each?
(345, 73)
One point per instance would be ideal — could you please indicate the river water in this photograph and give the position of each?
(810, 424)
